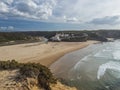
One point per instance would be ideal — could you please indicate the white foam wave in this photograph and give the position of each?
(85, 58)
(77, 65)
(110, 65)
(104, 54)
(116, 55)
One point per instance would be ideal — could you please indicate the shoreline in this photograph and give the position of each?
(61, 54)
(45, 54)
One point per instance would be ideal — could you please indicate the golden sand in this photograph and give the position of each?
(45, 54)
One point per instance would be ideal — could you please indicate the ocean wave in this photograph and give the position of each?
(81, 61)
(116, 55)
(104, 54)
(111, 65)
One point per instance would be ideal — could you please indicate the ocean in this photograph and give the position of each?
(96, 67)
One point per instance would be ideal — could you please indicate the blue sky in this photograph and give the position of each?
(59, 14)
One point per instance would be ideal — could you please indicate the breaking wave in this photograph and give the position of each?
(111, 65)
(96, 67)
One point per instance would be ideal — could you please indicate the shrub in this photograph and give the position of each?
(42, 73)
(9, 65)
(30, 70)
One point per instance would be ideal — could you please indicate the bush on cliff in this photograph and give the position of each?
(31, 70)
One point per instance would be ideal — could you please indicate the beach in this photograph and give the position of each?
(96, 67)
(45, 54)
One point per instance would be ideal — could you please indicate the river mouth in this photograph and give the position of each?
(96, 67)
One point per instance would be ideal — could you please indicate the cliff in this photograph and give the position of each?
(29, 76)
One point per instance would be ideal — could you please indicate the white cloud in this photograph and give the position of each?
(32, 9)
(54, 10)
(71, 19)
(3, 8)
(6, 28)
(107, 20)
(10, 28)
(7, 1)
(86, 10)
(3, 28)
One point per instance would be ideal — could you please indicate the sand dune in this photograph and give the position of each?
(45, 54)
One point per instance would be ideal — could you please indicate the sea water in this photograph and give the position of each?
(96, 67)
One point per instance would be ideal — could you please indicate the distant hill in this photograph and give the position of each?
(70, 36)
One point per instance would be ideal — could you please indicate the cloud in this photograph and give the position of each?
(50, 10)
(3, 28)
(71, 19)
(95, 12)
(6, 28)
(3, 8)
(10, 28)
(32, 9)
(86, 10)
(108, 20)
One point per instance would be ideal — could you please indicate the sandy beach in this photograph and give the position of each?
(45, 54)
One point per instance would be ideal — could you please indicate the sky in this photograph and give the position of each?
(25, 15)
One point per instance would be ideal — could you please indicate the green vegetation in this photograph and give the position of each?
(9, 65)
(17, 38)
(5, 37)
(73, 36)
(30, 70)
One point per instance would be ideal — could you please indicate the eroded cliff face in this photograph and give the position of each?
(8, 82)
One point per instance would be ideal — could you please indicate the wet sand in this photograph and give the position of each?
(45, 54)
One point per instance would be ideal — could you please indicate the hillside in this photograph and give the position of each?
(30, 76)
(68, 36)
